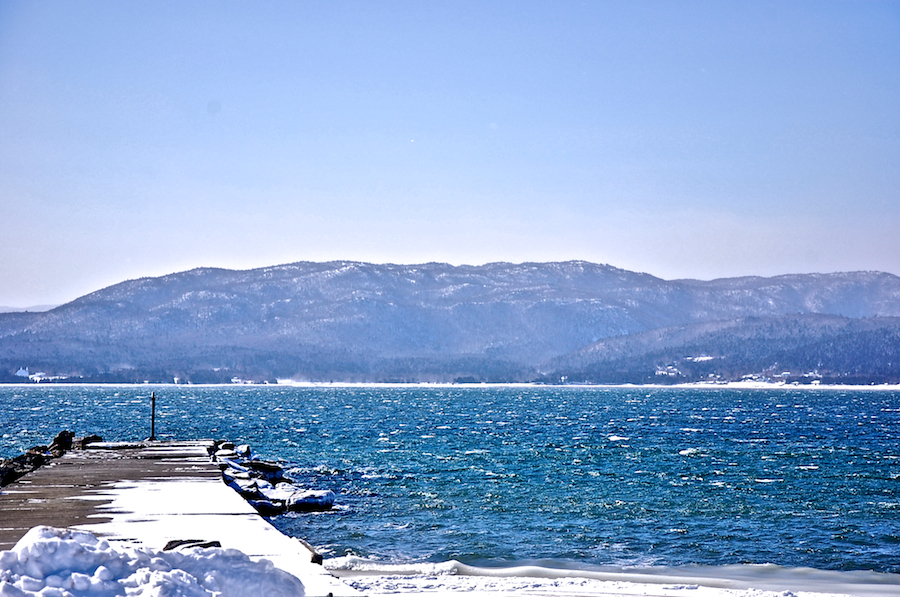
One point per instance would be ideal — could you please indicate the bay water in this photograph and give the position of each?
(565, 477)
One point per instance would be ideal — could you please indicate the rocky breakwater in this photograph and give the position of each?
(12, 469)
(264, 484)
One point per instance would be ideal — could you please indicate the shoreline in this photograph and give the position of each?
(736, 385)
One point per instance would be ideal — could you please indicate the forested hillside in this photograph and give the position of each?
(348, 321)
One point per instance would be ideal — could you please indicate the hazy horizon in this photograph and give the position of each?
(686, 140)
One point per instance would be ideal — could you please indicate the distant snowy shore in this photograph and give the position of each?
(739, 385)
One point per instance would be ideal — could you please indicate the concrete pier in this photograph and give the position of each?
(151, 493)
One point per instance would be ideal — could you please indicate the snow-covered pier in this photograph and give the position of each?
(154, 495)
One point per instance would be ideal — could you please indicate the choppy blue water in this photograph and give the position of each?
(561, 476)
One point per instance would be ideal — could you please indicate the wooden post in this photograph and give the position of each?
(152, 416)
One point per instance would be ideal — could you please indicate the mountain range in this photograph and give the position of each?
(550, 322)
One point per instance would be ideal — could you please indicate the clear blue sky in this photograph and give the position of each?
(684, 139)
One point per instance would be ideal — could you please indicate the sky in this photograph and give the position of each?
(693, 139)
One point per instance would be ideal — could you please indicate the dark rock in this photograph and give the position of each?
(12, 469)
(8, 472)
(268, 507)
(311, 501)
(230, 474)
(271, 471)
(62, 443)
(83, 442)
(246, 489)
(188, 543)
(224, 454)
(32, 459)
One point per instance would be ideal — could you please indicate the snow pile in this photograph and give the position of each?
(52, 562)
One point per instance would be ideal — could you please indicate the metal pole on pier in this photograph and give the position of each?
(152, 437)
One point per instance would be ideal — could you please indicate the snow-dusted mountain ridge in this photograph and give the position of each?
(367, 322)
